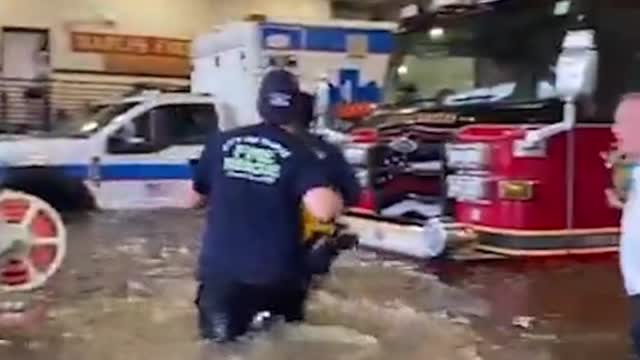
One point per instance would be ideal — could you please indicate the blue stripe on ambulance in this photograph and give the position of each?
(131, 172)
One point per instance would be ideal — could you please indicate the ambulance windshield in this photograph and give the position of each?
(85, 126)
(500, 55)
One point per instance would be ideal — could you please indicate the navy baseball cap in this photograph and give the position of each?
(276, 98)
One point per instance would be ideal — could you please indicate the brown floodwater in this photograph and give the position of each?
(578, 307)
(126, 292)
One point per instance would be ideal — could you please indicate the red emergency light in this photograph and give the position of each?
(354, 111)
(364, 136)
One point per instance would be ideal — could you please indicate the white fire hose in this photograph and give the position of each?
(33, 242)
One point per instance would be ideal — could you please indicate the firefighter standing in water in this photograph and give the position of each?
(254, 180)
(627, 196)
(323, 241)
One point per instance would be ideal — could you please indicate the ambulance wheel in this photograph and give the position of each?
(62, 192)
(41, 238)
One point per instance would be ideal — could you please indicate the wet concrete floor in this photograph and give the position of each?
(127, 286)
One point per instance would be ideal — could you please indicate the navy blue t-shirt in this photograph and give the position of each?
(255, 178)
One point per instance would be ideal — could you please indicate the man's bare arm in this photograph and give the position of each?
(613, 200)
(323, 203)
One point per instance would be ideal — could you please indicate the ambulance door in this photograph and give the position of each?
(187, 131)
(146, 164)
(130, 166)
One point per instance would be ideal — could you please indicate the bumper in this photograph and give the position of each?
(412, 239)
(464, 242)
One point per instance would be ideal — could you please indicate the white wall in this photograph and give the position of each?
(165, 18)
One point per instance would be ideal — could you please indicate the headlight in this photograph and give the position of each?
(467, 156)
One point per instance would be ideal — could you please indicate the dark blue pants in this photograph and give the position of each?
(226, 309)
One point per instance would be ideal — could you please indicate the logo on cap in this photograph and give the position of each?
(278, 99)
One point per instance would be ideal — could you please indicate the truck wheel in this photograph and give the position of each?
(33, 241)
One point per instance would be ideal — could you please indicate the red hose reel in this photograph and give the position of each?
(33, 241)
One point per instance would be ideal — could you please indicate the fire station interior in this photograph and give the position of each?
(469, 241)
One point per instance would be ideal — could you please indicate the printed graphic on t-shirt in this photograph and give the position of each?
(254, 158)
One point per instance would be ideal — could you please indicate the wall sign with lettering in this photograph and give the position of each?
(129, 44)
(134, 54)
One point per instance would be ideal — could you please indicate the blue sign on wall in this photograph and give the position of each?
(349, 89)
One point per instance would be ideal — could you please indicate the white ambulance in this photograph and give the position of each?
(139, 152)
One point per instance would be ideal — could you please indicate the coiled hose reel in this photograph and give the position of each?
(33, 242)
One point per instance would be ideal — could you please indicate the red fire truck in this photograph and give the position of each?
(497, 116)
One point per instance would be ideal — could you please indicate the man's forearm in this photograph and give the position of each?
(613, 200)
(323, 203)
